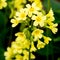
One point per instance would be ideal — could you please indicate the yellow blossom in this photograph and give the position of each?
(53, 27)
(17, 47)
(37, 34)
(40, 44)
(26, 44)
(21, 15)
(19, 57)
(32, 47)
(38, 4)
(32, 56)
(3, 3)
(23, 43)
(14, 22)
(50, 14)
(46, 39)
(18, 4)
(8, 54)
(39, 19)
(50, 17)
(21, 35)
(26, 55)
(32, 9)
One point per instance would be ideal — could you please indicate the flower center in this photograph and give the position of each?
(31, 9)
(23, 15)
(38, 19)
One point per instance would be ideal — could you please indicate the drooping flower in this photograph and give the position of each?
(26, 55)
(38, 3)
(46, 39)
(37, 34)
(40, 44)
(53, 27)
(20, 35)
(3, 4)
(14, 22)
(9, 53)
(19, 57)
(33, 48)
(50, 17)
(18, 4)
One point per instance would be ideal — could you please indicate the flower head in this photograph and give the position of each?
(21, 15)
(32, 9)
(40, 44)
(14, 22)
(46, 39)
(39, 19)
(32, 47)
(37, 34)
(53, 27)
(3, 3)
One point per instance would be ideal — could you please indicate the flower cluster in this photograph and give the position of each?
(19, 49)
(3, 3)
(34, 20)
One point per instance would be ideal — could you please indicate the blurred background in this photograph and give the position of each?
(50, 52)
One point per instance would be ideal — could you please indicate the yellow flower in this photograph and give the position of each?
(26, 44)
(32, 9)
(19, 57)
(3, 3)
(21, 15)
(40, 44)
(46, 39)
(8, 54)
(32, 56)
(26, 55)
(17, 47)
(38, 3)
(53, 28)
(50, 17)
(39, 19)
(18, 4)
(37, 34)
(14, 22)
(32, 47)
(21, 35)
(50, 14)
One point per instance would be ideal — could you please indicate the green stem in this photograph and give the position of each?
(47, 48)
(47, 30)
(48, 5)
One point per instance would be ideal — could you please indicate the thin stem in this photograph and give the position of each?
(47, 30)
(30, 38)
(48, 5)
(47, 33)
